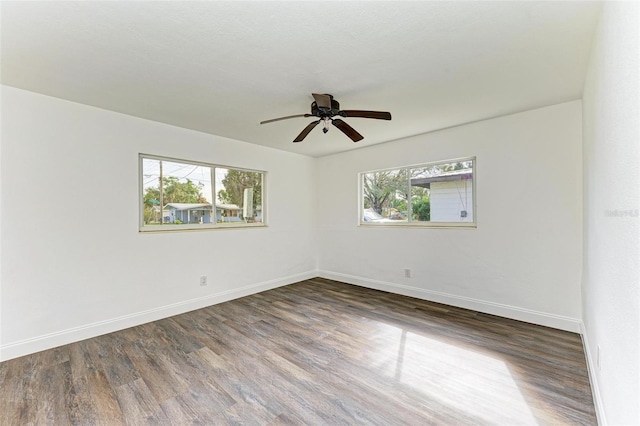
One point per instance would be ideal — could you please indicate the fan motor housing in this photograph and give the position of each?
(324, 112)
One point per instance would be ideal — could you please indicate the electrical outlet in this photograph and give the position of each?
(203, 280)
(598, 356)
(407, 273)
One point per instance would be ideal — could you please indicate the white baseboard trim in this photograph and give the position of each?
(75, 334)
(507, 311)
(593, 377)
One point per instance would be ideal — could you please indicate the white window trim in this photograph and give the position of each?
(408, 224)
(195, 226)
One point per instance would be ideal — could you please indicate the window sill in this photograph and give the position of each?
(153, 229)
(438, 225)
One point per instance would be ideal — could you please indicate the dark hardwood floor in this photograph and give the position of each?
(315, 352)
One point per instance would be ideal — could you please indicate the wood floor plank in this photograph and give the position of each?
(80, 404)
(241, 387)
(314, 352)
(103, 396)
(152, 366)
(136, 401)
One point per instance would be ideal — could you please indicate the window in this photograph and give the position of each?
(178, 194)
(438, 194)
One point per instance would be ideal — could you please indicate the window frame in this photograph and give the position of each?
(419, 224)
(196, 226)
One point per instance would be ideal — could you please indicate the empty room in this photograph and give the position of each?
(322, 213)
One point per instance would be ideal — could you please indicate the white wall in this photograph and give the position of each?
(611, 192)
(72, 269)
(525, 258)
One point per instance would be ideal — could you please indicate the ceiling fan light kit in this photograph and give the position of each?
(324, 107)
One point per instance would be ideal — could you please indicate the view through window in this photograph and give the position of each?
(178, 194)
(433, 194)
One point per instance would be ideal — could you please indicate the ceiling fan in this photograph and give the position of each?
(325, 108)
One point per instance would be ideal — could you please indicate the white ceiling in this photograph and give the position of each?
(222, 67)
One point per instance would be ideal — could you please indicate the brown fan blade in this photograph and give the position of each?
(347, 130)
(323, 101)
(285, 118)
(303, 134)
(380, 115)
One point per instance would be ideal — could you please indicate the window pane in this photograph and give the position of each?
(442, 192)
(185, 196)
(152, 213)
(385, 196)
(239, 196)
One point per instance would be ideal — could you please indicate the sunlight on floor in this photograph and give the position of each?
(468, 381)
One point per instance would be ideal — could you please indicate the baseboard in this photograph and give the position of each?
(52, 340)
(507, 311)
(593, 377)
